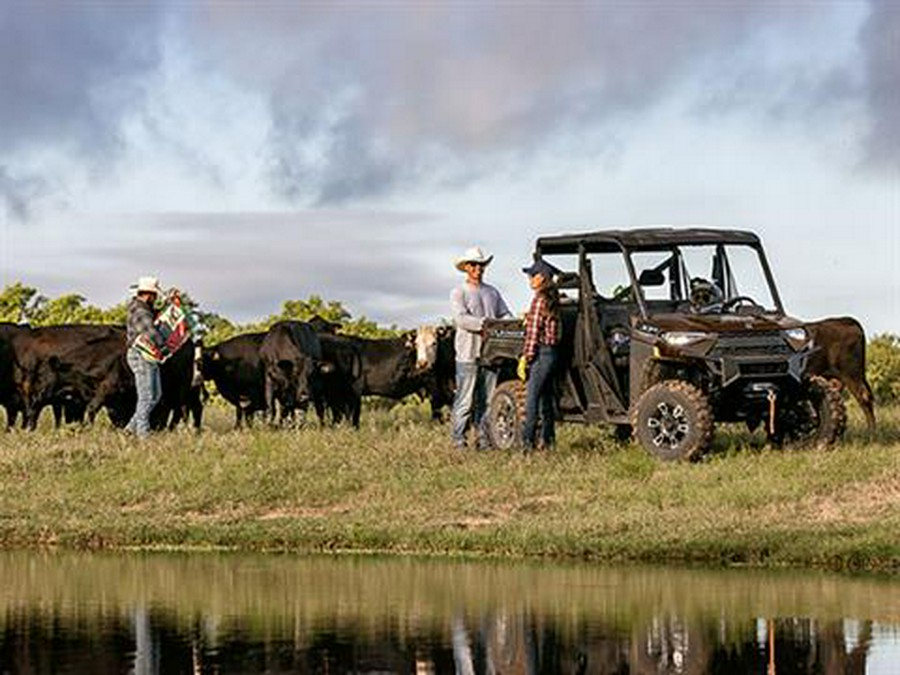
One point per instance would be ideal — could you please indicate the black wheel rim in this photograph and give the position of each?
(668, 425)
(505, 423)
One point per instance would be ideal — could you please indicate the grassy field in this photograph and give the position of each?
(397, 485)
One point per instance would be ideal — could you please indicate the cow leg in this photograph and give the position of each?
(862, 392)
(270, 402)
(355, 411)
(177, 416)
(196, 408)
(57, 414)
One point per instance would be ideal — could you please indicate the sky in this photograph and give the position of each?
(251, 153)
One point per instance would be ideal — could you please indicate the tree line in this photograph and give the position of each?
(20, 303)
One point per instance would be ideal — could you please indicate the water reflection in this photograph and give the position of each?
(71, 613)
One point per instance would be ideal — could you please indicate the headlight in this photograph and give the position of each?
(796, 334)
(797, 337)
(683, 339)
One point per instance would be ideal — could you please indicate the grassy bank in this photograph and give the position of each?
(397, 485)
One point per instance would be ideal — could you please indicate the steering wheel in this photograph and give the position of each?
(739, 300)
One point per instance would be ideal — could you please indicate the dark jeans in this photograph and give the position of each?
(540, 398)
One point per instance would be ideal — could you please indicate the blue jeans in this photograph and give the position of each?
(540, 397)
(474, 387)
(149, 391)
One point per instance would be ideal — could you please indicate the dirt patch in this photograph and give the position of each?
(856, 504)
(305, 512)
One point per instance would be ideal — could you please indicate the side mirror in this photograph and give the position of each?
(652, 278)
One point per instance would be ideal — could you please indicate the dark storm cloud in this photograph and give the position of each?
(68, 73)
(18, 194)
(880, 41)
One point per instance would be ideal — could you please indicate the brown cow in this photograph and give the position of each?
(841, 355)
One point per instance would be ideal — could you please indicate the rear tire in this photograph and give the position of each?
(673, 420)
(506, 414)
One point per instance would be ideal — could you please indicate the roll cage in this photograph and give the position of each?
(663, 240)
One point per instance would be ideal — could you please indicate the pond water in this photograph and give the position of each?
(229, 613)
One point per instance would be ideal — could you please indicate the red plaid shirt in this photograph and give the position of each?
(540, 327)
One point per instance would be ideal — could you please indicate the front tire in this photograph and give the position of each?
(673, 420)
(817, 419)
(506, 414)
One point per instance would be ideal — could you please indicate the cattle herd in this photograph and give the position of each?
(78, 370)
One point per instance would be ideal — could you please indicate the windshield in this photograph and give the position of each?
(705, 279)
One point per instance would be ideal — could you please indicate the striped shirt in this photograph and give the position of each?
(541, 327)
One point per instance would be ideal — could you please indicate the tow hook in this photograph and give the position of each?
(771, 397)
(771, 392)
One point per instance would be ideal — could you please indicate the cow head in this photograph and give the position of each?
(297, 380)
(426, 343)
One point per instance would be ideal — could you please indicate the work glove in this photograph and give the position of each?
(522, 369)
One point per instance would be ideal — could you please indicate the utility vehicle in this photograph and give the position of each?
(666, 332)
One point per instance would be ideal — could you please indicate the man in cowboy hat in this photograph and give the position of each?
(141, 315)
(472, 302)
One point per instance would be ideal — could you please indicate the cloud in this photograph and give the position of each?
(370, 99)
(69, 73)
(19, 194)
(243, 265)
(879, 39)
(353, 102)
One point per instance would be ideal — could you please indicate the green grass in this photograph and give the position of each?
(397, 485)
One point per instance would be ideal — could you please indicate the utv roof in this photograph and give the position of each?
(607, 241)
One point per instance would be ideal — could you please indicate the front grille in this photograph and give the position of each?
(751, 344)
(778, 368)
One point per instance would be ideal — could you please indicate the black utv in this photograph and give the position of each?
(664, 333)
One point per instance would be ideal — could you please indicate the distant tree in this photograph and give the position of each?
(70, 308)
(20, 303)
(883, 367)
(304, 310)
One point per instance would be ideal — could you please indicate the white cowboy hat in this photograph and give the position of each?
(147, 285)
(473, 255)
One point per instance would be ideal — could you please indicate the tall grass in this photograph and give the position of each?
(398, 485)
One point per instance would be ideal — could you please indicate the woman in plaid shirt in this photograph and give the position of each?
(541, 339)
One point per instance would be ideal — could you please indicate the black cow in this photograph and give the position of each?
(341, 379)
(842, 356)
(180, 390)
(79, 368)
(291, 354)
(391, 367)
(9, 395)
(239, 374)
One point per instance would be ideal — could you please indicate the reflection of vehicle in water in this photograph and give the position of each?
(691, 331)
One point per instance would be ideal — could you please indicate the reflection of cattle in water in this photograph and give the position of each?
(842, 356)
